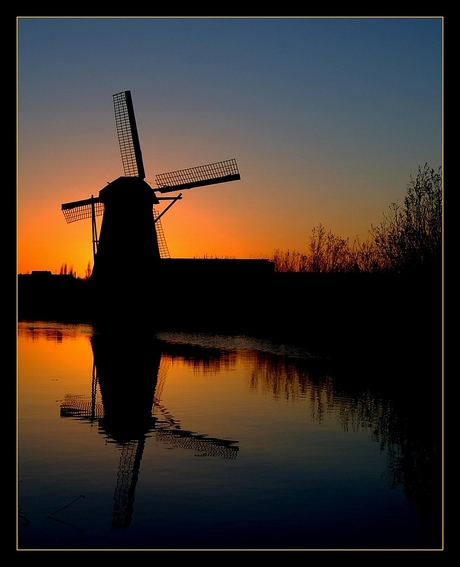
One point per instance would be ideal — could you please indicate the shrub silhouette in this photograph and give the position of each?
(408, 239)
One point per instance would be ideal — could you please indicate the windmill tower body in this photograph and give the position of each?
(128, 241)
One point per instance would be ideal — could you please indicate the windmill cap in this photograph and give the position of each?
(126, 190)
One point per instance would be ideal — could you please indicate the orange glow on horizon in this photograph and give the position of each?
(230, 220)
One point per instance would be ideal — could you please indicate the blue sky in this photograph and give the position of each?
(327, 118)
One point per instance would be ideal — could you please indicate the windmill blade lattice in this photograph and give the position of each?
(128, 137)
(84, 209)
(162, 244)
(210, 174)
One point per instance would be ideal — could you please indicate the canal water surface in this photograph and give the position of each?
(197, 441)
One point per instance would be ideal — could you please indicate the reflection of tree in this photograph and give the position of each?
(203, 359)
(275, 375)
(404, 420)
(413, 441)
(294, 380)
(36, 332)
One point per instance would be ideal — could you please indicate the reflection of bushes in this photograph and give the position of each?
(413, 447)
(412, 436)
(409, 237)
(402, 423)
(292, 381)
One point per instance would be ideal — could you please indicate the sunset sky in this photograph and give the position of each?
(328, 118)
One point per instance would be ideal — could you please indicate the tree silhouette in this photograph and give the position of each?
(410, 236)
(408, 239)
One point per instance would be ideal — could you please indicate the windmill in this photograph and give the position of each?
(131, 226)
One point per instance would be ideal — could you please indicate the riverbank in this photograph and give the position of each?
(332, 313)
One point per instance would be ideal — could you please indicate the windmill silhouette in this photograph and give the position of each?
(131, 227)
(130, 373)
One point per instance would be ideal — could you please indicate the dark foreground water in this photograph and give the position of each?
(195, 441)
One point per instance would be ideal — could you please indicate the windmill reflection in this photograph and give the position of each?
(130, 374)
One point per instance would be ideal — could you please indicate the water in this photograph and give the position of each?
(195, 441)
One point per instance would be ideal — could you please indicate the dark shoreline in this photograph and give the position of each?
(333, 314)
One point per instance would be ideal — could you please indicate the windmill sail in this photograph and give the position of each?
(210, 174)
(84, 209)
(162, 244)
(128, 138)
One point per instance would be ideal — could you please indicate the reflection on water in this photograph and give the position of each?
(217, 442)
(128, 375)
